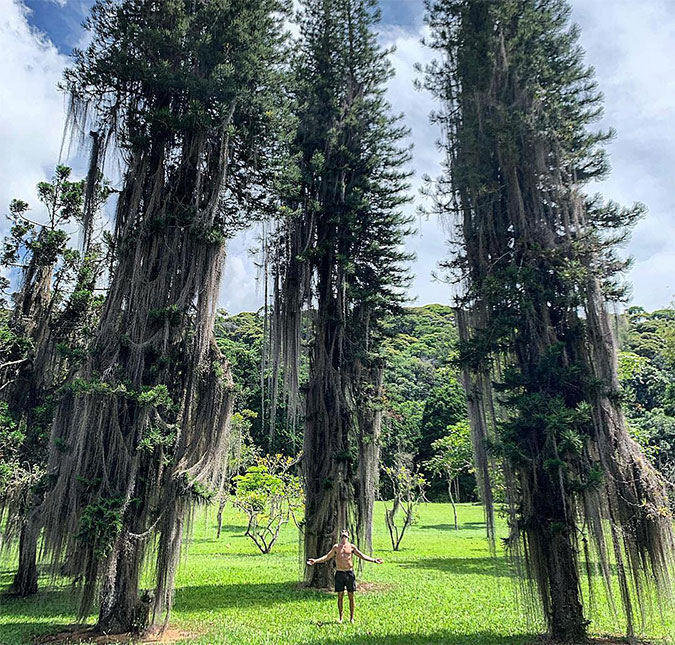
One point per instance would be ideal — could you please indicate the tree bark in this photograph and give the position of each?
(370, 430)
(552, 545)
(326, 456)
(121, 609)
(26, 579)
(566, 619)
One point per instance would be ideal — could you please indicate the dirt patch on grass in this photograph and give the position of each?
(361, 588)
(80, 634)
(373, 587)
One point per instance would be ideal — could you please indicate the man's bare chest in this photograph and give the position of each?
(344, 553)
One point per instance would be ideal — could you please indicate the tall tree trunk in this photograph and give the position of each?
(26, 579)
(339, 254)
(370, 430)
(566, 615)
(539, 332)
(326, 455)
(221, 508)
(552, 546)
(146, 424)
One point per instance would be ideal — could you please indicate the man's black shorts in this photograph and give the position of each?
(345, 579)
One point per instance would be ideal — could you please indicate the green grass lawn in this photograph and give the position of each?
(441, 587)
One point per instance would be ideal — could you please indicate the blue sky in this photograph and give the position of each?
(61, 19)
(631, 44)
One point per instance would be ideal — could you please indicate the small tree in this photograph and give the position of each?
(241, 454)
(453, 455)
(408, 487)
(269, 495)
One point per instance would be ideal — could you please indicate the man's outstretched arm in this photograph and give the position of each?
(323, 558)
(363, 556)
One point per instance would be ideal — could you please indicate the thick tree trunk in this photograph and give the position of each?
(566, 615)
(325, 499)
(121, 609)
(26, 579)
(326, 456)
(552, 545)
(370, 430)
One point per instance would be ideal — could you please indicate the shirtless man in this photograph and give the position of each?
(344, 576)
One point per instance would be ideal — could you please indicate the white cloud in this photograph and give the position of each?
(653, 279)
(632, 47)
(32, 112)
(241, 290)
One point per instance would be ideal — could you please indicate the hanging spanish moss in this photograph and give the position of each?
(338, 263)
(537, 260)
(180, 89)
(53, 309)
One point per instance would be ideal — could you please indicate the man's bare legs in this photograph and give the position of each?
(341, 596)
(351, 603)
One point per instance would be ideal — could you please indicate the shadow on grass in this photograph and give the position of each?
(22, 632)
(242, 595)
(472, 526)
(47, 598)
(444, 637)
(44, 612)
(485, 566)
(463, 566)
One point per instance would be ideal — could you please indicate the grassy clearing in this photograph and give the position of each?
(442, 587)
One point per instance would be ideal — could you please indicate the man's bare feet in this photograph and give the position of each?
(340, 621)
(351, 620)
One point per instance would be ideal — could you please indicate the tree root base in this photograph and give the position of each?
(603, 640)
(82, 634)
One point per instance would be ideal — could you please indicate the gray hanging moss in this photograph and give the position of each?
(54, 307)
(536, 264)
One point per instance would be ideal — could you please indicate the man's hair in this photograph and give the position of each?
(344, 532)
